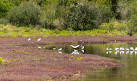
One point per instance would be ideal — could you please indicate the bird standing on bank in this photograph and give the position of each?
(38, 39)
(29, 39)
(60, 49)
(39, 47)
(82, 47)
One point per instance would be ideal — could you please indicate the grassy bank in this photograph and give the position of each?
(13, 31)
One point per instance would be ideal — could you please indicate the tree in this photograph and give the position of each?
(28, 13)
(4, 7)
(82, 17)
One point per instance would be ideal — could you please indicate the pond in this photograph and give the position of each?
(126, 53)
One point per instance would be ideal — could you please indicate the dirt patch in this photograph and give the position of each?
(24, 63)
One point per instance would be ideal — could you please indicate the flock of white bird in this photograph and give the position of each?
(76, 51)
(39, 39)
(60, 49)
(29, 39)
(122, 50)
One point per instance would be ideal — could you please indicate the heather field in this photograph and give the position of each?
(23, 61)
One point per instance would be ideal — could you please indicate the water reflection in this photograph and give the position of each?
(121, 50)
(59, 50)
(125, 53)
(75, 52)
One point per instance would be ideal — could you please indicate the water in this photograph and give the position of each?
(128, 57)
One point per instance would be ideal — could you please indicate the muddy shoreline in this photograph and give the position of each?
(62, 39)
(24, 63)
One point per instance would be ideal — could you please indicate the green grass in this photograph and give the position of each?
(1, 60)
(13, 31)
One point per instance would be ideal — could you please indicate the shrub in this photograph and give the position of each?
(4, 7)
(82, 17)
(27, 13)
(88, 15)
(115, 25)
(51, 18)
(132, 18)
(17, 2)
(3, 21)
(132, 25)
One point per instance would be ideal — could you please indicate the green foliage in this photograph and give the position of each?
(132, 18)
(3, 21)
(123, 9)
(13, 31)
(88, 15)
(4, 7)
(115, 25)
(48, 16)
(27, 13)
(132, 25)
(17, 2)
(71, 15)
(104, 11)
(41, 2)
(82, 17)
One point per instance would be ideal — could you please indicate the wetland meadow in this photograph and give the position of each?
(24, 61)
(68, 40)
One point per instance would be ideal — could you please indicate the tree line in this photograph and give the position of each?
(68, 14)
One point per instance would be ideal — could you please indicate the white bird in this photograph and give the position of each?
(127, 52)
(136, 49)
(131, 52)
(127, 49)
(82, 47)
(38, 39)
(39, 47)
(107, 52)
(83, 51)
(122, 52)
(74, 46)
(60, 49)
(54, 48)
(110, 51)
(29, 39)
(131, 48)
(135, 52)
(59, 52)
(108, 48)
(121, 48)
(117, 49)
(116, 52)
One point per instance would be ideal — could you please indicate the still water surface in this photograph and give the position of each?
(127, 57)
